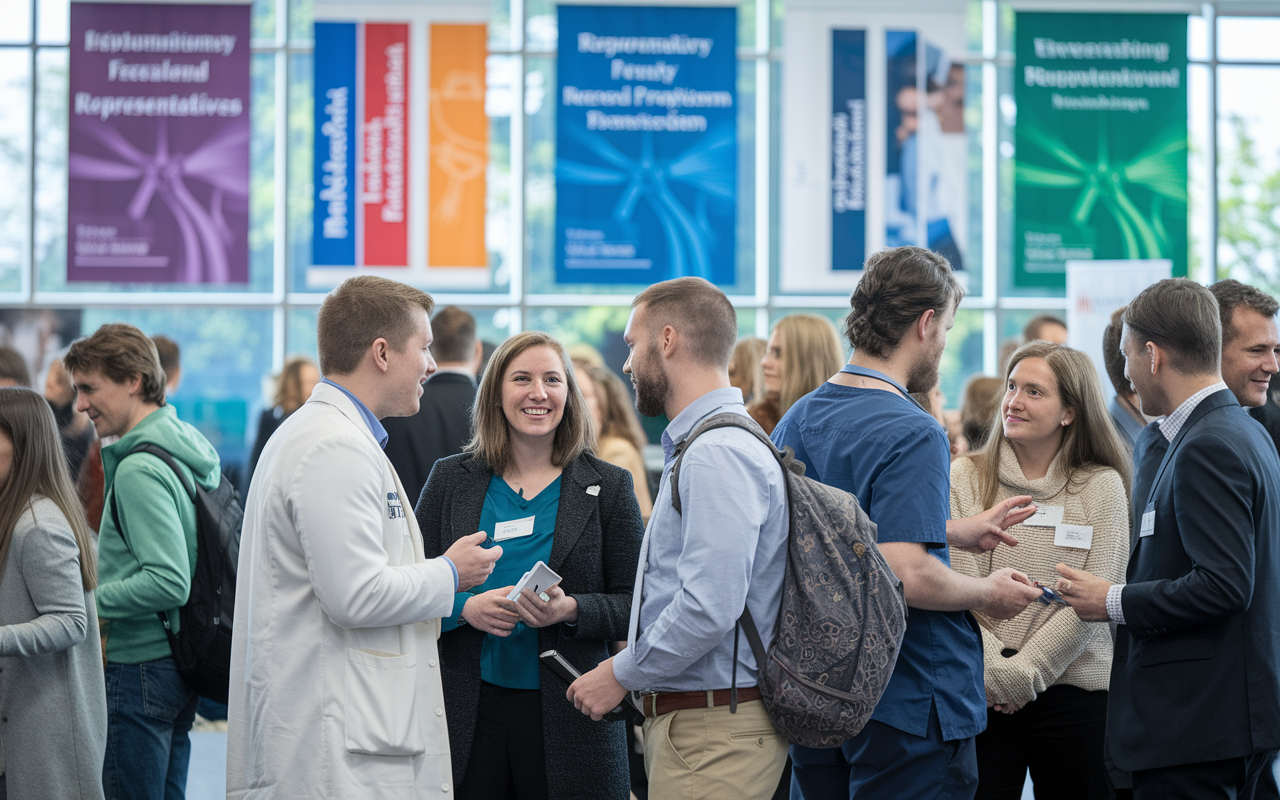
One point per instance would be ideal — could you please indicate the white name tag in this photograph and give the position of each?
(1080, 536)
(1045, 517)
(513, 529)
(1148, 523)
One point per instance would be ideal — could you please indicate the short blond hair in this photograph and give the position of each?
(362, 310)
(491, 440)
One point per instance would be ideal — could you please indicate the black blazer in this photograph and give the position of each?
(1196, 673)
(595, 548)
(440, 428)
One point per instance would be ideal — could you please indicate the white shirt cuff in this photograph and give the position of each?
(1114, 609)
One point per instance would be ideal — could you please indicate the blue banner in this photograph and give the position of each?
(333, 240)
(646, 144)
(848, 149)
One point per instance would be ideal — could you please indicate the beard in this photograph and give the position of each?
(923, 375)
(652, 386)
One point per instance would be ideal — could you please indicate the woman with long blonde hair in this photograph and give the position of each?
(802, 352)
(1046, 671)
(52, 692)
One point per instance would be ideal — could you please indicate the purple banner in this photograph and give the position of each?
(159, 143)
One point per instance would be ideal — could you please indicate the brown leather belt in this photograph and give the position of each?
(658, 703)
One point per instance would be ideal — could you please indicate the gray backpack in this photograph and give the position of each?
(843, 612)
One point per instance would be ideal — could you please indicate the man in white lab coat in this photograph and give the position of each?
(335, 680)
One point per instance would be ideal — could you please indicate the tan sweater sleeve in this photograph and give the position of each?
(1062, 639)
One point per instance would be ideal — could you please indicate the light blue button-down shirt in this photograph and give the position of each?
(695, 569)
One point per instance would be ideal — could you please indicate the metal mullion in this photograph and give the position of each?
(109, 298)
(27, 276)
(1212, 264)
(106, 300)
(27, 272)
(991, 288)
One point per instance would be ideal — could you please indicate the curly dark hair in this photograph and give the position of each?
(897, 286)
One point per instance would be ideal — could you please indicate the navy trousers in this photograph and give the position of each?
(884, 762)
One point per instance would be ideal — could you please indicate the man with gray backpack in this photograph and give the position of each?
(707, 732)
(862, 433)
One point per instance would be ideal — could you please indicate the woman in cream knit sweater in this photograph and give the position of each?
(1046, 671)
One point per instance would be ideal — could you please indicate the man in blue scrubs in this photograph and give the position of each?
(861, 432)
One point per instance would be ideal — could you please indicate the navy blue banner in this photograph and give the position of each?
(848, 149)
(333, 240)
(646, 144)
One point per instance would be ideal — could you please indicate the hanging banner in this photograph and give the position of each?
(646, 144)
(333, 239)
(361, 170)
(1101, 142)
(401, 144)
(459, 145)
(874, 148)
(158, 139)
(848, 149)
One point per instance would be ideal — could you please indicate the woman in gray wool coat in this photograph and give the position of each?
(528, 480)
(53, 702)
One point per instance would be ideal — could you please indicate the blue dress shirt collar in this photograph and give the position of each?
(694, 413)
(375, 427)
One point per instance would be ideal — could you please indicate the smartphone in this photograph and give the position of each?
(557, 663)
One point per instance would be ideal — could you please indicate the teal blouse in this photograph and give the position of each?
(512, 661)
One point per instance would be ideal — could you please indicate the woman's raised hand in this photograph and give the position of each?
(539, 613)
(492, 612)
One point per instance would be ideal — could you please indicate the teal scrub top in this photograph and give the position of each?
(512, 661)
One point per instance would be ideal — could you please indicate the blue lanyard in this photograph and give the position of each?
(850, 369)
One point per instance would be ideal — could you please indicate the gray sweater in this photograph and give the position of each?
(53, 701)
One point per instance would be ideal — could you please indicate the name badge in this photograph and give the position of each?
(1148, 521)
(513, 529)
(1079, 536)
(1045, 517)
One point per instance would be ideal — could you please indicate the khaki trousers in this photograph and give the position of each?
(710, 754)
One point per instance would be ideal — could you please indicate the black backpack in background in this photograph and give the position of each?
(843, 612)
(202, 646)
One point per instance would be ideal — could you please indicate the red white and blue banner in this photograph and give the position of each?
(361, 154)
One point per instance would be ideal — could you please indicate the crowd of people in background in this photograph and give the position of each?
(1094, 585)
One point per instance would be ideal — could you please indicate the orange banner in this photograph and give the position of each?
(459, 146)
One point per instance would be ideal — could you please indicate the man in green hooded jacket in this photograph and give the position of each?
(146, 557)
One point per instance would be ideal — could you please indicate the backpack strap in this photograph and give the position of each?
(786, 459)
(729, 419)
(165, 456)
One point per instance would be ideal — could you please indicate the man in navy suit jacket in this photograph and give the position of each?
(1194, 707)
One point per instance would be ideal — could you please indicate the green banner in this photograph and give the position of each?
(1101, 141)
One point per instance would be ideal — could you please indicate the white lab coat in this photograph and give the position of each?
(335, 679)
